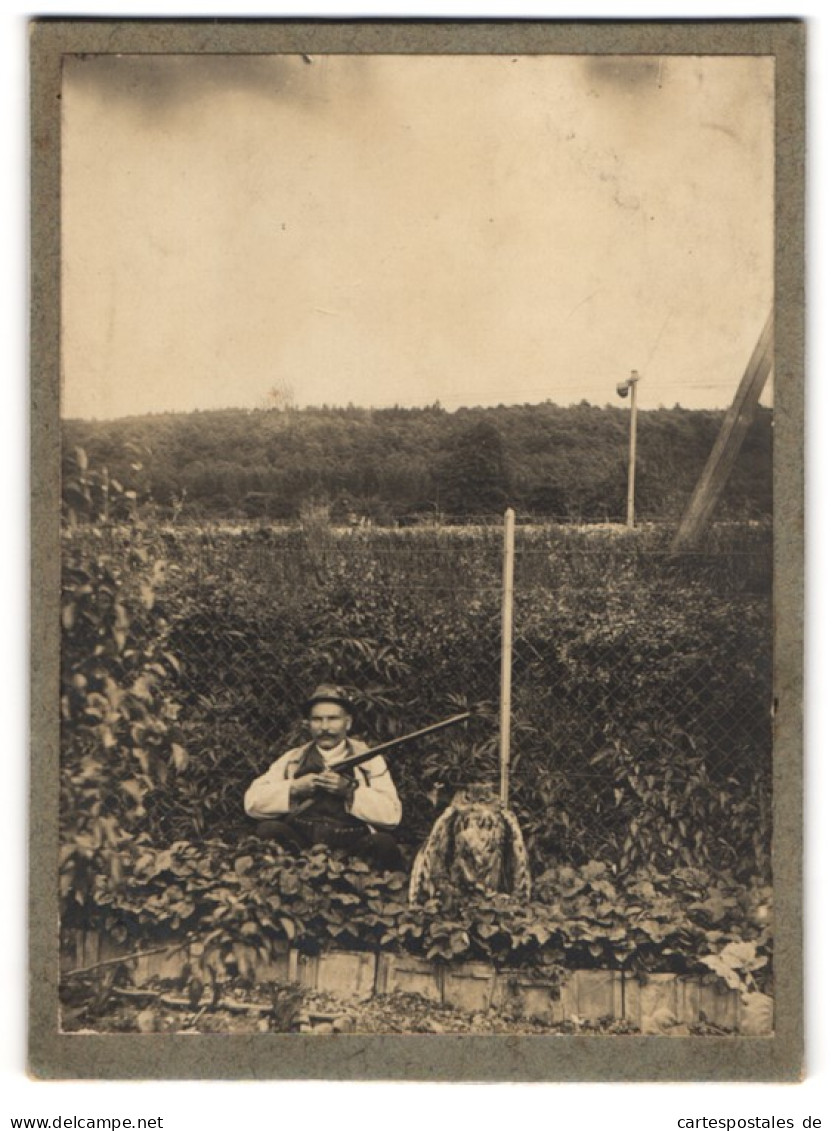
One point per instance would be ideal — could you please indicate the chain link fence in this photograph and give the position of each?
(641, 707)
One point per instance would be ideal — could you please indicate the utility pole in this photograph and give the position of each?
(628, 389)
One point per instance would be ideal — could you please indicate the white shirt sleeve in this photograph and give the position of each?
(375, 799)
(268, 795)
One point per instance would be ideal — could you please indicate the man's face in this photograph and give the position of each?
(329, 724)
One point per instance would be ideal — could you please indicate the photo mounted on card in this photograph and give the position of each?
(417, 477)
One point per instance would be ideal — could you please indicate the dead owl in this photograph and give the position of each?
(475, 845)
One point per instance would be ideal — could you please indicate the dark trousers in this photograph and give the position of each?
(378, 849)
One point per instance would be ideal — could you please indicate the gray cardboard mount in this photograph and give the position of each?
(53, 1054)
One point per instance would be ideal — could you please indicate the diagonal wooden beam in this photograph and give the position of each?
(735, 425)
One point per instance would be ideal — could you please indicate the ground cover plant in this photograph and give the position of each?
(240, 903)
(641, 768)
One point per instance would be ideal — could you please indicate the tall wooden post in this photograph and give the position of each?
(631, 463)
(505, 669)
(735, 425)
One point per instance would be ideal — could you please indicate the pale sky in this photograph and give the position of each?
(406, 229)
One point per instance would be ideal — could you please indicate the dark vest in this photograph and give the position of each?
(325, 807)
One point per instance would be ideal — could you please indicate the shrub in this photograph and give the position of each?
(241, 905)
(640, 729)
(121, 740)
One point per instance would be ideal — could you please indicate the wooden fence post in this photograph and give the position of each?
(505, 669)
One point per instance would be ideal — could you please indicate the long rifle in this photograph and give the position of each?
(358, 759)
(393, 743)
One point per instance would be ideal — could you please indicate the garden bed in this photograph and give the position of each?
(655, 951)
(662, 1004)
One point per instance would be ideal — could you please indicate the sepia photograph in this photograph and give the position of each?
(421, 405)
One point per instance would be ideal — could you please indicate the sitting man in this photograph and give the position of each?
(300, 801)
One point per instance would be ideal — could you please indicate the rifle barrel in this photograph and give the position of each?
(366, 755)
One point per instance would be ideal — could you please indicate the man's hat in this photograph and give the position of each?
(328, 693)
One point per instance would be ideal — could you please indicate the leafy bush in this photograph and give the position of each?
(121, 738)
(240, 905)
(640, 730)
(641, 727)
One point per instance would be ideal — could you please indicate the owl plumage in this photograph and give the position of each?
(475, 845)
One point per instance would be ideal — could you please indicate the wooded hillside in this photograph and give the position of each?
(397, 464)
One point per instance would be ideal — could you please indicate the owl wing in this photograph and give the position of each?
(516, 860)
(431, 864)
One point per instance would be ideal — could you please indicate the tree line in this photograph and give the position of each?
(402, 465)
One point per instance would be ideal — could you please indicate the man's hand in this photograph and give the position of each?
(327, 782)
(331, 782)
(304, 787)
